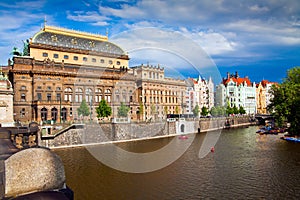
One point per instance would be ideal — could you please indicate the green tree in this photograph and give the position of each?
(196, 111)
(123, 110)
(229, 110)
(242, 110)
(83, 109)
(235, 110)
(103, 110)
(214, 111)
(176, 110)
(166, 110)
(141, 111)
(285, 104)
(153, 109)
(204, 111)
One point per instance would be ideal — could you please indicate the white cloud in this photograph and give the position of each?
(90, 16)
(257, 8)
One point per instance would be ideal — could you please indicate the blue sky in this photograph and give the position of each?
(259, 39)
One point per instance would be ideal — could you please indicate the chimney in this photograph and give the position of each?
(236, 75)
(228, 75)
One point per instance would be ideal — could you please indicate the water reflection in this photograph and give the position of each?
(244, 165)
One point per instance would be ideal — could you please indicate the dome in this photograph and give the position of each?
(78, 40)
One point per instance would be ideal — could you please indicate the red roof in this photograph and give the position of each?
(238, 81)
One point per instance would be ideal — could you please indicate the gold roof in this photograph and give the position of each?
(73, 33)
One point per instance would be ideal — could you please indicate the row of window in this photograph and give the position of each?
(76, 58)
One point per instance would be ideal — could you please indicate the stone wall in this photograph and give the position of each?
(106, 132)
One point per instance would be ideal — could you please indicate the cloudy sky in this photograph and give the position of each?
(259, 39)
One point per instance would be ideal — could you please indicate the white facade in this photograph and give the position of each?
(199, 92)
(237, 91)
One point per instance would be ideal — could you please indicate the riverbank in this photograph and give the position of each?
(108, 133)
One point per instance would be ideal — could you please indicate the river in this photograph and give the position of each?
(244, 165)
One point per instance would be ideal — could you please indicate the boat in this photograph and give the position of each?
(291, 139)
(183, 137)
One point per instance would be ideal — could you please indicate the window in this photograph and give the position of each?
(68, 94)
(75, 58)
(84, 59)
(22, 113)
(102, 60)
(58, 97)
(39, 96)
(88, 95)
(66, 57)
(48, 96)
(23, 87)
(55, 55)
(39, 87)
(98, 95)
(78, 95)
(44, 113)
(110, 62)
(48, 88)
(45, 54)
(23, 97)
(93, 59)
(118, 62)
(58, 89)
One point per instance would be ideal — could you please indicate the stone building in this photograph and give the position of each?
(263, 95)
(62, 68)
(6, 101)
(237, 91)
(158, 95)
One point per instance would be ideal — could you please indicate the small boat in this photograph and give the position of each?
(291, 139)
(183, 137)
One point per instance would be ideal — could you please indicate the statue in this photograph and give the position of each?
(16, 52)
(26, 48)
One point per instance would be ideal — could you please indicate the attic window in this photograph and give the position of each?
(54, 38)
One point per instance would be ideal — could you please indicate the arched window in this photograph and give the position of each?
(64, 114)
(44, 114)
(54, 114)
(117, 93)
(68, 94)
(88, 94)
(98, 95)
(108, 95)
(78, 94)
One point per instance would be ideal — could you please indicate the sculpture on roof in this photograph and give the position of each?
(26, 48)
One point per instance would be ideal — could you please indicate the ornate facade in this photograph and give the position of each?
(237, 91)
(159, 95)
(63, 68)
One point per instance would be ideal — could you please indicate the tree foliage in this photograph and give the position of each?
(196, 111)
(123, 110)
(83, 109)
(103, 110)
(242, 110)
(285, 104)
(218, 111)
(204, 111)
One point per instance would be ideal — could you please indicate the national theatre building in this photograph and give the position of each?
(61, 67)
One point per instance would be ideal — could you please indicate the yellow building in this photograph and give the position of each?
(158, 95)
(263, 96)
